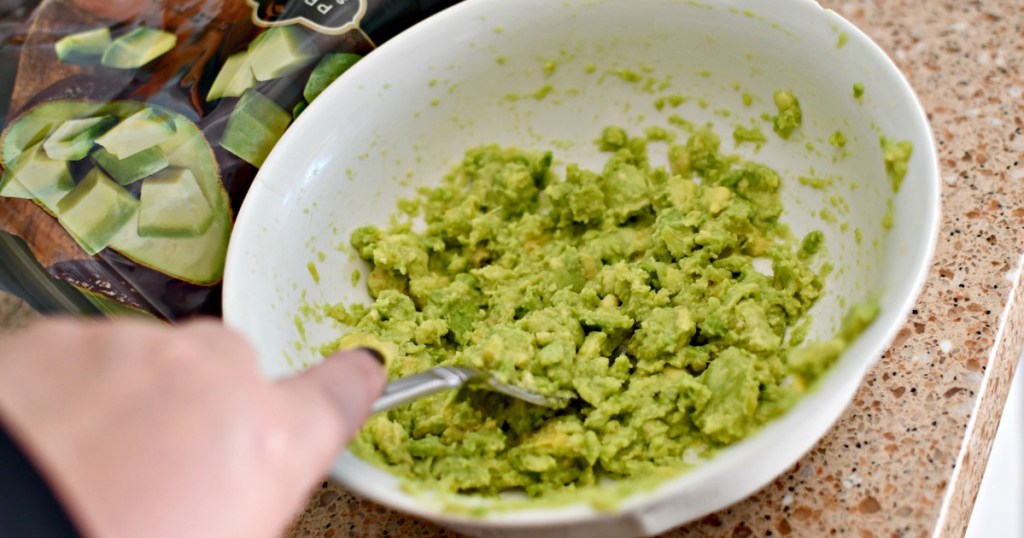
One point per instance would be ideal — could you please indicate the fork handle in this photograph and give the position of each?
(416, 386)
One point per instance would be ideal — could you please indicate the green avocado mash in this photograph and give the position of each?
(632, 291)
(896, 155)
(790, 115)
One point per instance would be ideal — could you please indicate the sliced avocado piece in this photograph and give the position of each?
(44, 179)
(299, 108)
(138, 47)
(200, 259)
(131, 169)
(30, 133)
(234, 78)
(173, 205)
(325, 72)
(84, 47)
(73, 140)
(142, 130)
(12, 188)
(37, 123)
(279, 51)
(254, 127)
(95, 210)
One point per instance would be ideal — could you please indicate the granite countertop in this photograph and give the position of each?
(906, 458)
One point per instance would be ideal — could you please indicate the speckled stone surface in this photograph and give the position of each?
(907, 456)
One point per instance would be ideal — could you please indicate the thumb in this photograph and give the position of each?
(331, 400)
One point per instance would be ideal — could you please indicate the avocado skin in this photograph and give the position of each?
(327, 71)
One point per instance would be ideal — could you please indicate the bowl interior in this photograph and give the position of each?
(475, 74)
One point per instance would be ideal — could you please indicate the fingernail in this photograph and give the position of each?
(375, 354)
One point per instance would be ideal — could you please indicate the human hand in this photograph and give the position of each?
(148, 430)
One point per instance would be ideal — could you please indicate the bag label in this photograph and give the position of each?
(332, 17)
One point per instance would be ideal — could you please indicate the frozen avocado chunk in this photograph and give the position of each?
(83, 47)
(95, 210)
(25, 133)
(325, 72)
(131, 169)
(34, 175)
(73, 140)
(11, 188)
(37, 123)
(173, 205)
(279, 51)
(198, 259)
(138, 47)
(142, 130)
(254, 127)
(234, 78)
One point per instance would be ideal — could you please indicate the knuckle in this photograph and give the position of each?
(178, 350)
(274, 435)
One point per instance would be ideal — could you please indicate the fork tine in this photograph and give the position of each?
(523, 394)
(440, 378)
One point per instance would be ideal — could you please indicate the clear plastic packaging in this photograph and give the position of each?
(133, 129)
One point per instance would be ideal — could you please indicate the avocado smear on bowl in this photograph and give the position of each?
(668, 305)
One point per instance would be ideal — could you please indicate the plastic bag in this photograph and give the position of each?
(134, 129)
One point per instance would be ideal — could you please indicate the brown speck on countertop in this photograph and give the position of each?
(869, 505)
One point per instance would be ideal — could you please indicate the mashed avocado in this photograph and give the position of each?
(632, 291)
(896, 155)
(790, 115)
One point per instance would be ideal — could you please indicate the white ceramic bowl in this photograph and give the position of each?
(417, 103)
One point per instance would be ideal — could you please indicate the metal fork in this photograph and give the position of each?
(434, 380)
